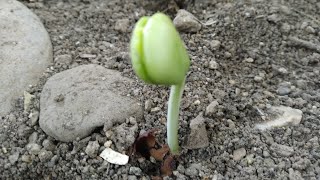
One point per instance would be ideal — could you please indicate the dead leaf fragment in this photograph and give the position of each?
(159, 154)
(168, 166)
(144, 143)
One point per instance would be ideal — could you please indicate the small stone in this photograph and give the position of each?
(135, 171)
(283, 70)
(193, 170)
(285, 27)
(156, 109)
(213, 65)
(63, 59)
(198, 137)
(33, 137)
(27, 101)
(26, 158)
(197, 102)
(92, 148)
(4, 150)
(282, 91)
(304, 25)
(231, 124)
(282, 150)
(212, 108)
(14, 157)
(232, 82)
(310, 30)
(45, 155)
(301, 83)
(34, 116)
(302, 164)
(48, 145)
(265, 153)
(249, 60)
(132, 120)
(245, 94)
(33, 148)
(239, 154)
(250, 159)
(88, 56)
(274, 18)
(148, 105)
(124, 136)
(109, 133)
(258, 78)
(227, 54)
(295, 175)
(268, 162)
(122, 25)
(107, 144)
(185, 21)
(215, 44)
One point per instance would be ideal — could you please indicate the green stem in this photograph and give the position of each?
(173, 116)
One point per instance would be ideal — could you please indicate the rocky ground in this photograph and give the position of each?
(252, 93)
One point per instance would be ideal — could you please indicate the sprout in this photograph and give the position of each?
(159, 57)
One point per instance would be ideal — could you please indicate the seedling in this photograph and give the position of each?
(159, 57)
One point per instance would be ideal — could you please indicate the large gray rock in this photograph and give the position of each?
(25, 51)
(74, 102)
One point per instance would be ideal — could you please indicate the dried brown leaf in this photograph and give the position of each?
(156, 178)
(144, 143)
(168, 166)
(159, 154)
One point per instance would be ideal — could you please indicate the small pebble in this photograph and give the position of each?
(282, 150)
(33, 148)
(285, 28)
(239, 154)
(249, 60)
(26, 158)
(227, 54)
(212, 108)
(45, 155)
(231, 124)
(274, 18)
(122, 25)
(156, 109)
(185, 21)
(48, 145)
(310, 30)
(282, 91)
(148, 105)
(14, 157)
(92, 148)
(213, 65)
(258, 78)
(108, 144)
(135, 171)
(215, 44)
(196, 102)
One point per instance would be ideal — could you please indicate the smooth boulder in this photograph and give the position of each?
(25, 51)
(75, 102)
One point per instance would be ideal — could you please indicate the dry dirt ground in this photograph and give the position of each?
(267, 55)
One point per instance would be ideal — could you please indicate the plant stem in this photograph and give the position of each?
(173, 116)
